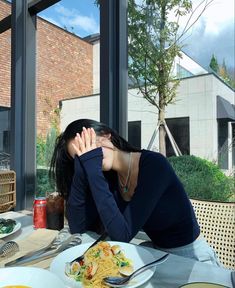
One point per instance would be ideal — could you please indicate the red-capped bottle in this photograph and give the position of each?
(39, 213)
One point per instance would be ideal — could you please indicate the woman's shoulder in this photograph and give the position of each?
(151, 161)
(153, 155)
(153, 158)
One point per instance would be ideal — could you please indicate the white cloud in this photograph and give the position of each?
(217, 16)
(61, 10)
(213, 34)
(73, 18)
(88, 24)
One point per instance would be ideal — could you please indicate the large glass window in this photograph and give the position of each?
(68, 43)
(233, 146)
(181, 72)
(223, 143)
(5, 90)
(134, 133)
(4, 137)
(179, 128)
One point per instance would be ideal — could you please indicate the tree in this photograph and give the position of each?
(214, 64)
(154, 43)
(222, 71)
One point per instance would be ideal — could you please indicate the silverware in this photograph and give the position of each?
(62, 235)
(122, 281)
(79, 258)
(9, 249)
(33, 257)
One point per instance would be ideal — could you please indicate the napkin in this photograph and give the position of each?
(38, 239)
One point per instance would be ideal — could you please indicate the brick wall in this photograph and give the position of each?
(5, 58)
(64, 69)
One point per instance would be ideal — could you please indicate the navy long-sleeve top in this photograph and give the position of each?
(159, 205)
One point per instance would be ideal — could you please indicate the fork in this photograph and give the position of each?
(79, 258)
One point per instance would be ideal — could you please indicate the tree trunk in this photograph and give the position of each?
(162, 76)
(162, 132)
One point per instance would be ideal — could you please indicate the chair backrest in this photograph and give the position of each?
(7, 190)
(217, 222)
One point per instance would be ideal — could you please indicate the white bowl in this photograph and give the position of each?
(29, 276)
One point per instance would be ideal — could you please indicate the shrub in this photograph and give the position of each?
(49, 145)
(203, 179)
(44, 153)
(40, 151)
(43, 184)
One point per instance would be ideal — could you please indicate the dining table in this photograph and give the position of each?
(174, 272)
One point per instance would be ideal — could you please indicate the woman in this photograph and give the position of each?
(106, 180)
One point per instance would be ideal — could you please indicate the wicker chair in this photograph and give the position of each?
(7, 190)
(216, 220)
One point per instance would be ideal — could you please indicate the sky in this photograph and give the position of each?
(213, 33)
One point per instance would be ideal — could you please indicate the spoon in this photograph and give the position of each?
(8, 249)
(122, 281)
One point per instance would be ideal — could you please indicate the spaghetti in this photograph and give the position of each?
(100, 261)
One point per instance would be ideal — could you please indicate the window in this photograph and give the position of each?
(4, 138)
(182, 72)
(134, 133)
(4, 129)
(179, 128)
(223, 143)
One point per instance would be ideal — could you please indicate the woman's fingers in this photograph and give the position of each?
(87, 138)
(93, 138)
(76, 150)
(81, 143)
(85, 141)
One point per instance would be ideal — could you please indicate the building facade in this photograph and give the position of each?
(64, 64)
(202, 119)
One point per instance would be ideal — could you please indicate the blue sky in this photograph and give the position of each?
(213, 33)
(79, 16)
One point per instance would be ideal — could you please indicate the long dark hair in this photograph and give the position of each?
(62, 164)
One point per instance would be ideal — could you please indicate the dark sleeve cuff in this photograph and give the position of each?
(95, 153)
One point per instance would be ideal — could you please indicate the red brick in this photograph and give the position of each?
(64, 68)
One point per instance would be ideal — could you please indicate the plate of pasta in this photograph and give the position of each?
(102, 260)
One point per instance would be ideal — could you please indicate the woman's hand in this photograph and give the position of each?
(84, 142)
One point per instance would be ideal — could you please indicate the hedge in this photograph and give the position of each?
(43, 184)
(203, 179)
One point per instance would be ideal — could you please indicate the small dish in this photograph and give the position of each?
(202, 285)
(16, 228)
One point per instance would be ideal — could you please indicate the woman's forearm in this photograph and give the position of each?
(81, 211)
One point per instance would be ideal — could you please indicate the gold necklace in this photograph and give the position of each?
(124, 187)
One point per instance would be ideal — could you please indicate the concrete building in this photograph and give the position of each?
(202, 120)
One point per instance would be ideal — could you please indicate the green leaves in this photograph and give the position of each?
(203, 179)
(153, 47)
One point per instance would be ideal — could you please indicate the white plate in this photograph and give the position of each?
(139, 256)
(16, 228)
(29, 276)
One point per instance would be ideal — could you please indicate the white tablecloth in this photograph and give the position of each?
(174, 272)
